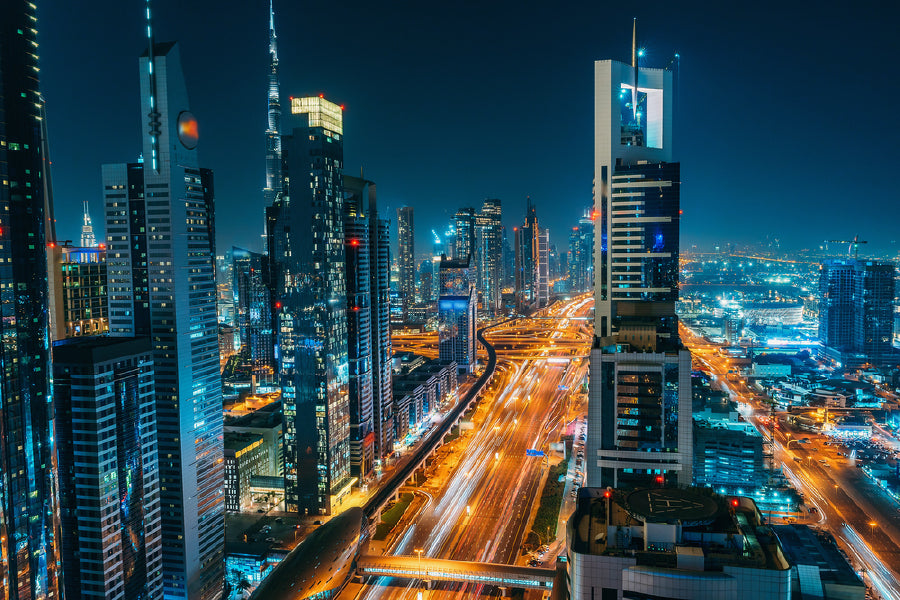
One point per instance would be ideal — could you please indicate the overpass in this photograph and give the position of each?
(435, 569)
(389, 487)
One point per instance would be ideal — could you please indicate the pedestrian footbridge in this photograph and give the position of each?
(435, 569)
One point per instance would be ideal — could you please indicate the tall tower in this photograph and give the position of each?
(306, 230)
(87, 229)
(406, 255)
(273, 130)
(163, 285)
(489, 254)
(639, 404)
(29, 533)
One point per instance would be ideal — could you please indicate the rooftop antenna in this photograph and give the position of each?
(154, 113)
(634, 64)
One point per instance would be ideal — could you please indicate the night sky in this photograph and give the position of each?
(787, 125)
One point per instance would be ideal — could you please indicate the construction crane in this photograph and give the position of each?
(852, 245)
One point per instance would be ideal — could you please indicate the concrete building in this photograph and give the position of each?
(305, 230)
(109, 486)
(163, 286)
(818, 568)
(672, 543)
(639, 406)
(267, 423)
(246, 455)
(457, 314)
(76, 278)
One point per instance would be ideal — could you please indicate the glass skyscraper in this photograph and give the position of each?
(306, 241)
(457, 313)
(161, 278)
(406, 257)
(108, 468)
(29, 525)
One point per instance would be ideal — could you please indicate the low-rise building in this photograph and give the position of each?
(818, 570)
(245, 456)
(678, 543)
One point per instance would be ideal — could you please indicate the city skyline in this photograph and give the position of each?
(448, 90)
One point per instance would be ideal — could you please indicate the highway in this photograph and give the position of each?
(861, 517)
(482, 494)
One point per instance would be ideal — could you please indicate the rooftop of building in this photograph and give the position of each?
(803, 545)
(672, 527)
(97, 349)
(265, 418)
(236, 441)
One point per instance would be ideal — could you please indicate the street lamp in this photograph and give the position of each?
(872, 525)
(419, 552)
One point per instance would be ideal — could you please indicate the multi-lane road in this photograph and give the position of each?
(861, 517)
(481, 497)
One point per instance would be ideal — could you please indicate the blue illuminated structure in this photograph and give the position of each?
(457, 313)
(28, 523)
(110, 510)
(306, 246)
(274, 182)
(160, 225)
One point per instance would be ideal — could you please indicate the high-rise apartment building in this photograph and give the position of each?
(489, 254)
(29, 552)
(406, 256)
(162, 284)
(360, 335)
(581, 256)
(856, 312)
(543, 268)
(639, 406)
(253, 309)
(307, 249)
(457, 317)
(77, 283)
(464, 225)
(527, 259)
(109, 485)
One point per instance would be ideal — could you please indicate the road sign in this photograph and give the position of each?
(562, 387)
(532, 452)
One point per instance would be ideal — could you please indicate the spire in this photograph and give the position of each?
(154, 115)
(87, 229)
(273, 187)
(634, 64)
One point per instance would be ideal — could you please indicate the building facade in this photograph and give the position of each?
(464, 225)
(639, 403)
(527, 259)
(29, 552)
(306, 246)
(856, 321)
(581, 256)
(77, 283)
(162, 283)
(457, 315)
(253, 309)
(489, 254)
(246, 455)
(406, 256)
(110, 509)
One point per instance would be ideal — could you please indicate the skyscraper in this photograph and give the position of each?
(160, 264)
(87, 229)
(306, 241)
(464, 224)
(359, 335)
(639, 405)
(543, 268)
(108, 468)
(406, 256)
(253, 309)
(489, 254)
(527, 259)
(29, 542)
(78, 298)
(274, 182)
(581, 255)
(856, 313)
(457, 313)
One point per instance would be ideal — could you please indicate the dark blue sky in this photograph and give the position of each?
(787, 126)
